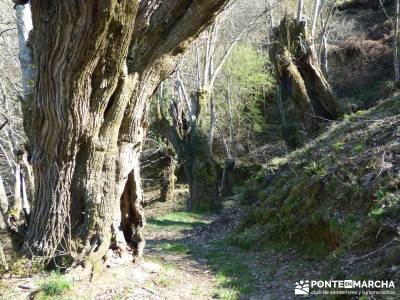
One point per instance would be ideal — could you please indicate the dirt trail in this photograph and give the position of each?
(163, 273)
(186, 257)
(182, 276)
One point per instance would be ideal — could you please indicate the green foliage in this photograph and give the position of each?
(248, 81)
(56, 285)
(246, 67)
(387, 204)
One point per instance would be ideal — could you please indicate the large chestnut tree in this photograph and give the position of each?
(98, 62)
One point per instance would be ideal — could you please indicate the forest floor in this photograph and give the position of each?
(187, 256)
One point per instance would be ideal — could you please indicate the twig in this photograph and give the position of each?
(6, 30)
(297, 176)
(3, 125)
(150, 291)
(373, 252)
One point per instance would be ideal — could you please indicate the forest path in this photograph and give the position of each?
(183, 274)
(196, 251)
(187, 256)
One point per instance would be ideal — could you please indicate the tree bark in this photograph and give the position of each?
(167, 193)
(76, 120)
(3, 205)
(199, 164)
(299, 13)
(98, 64)
(299, 75)
(227, 184)
(190, 142)
(324, 55)
(3, 225)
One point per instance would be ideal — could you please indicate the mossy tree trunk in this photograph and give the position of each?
(227, 183)
(299, 75)
(190, 141)
(98, 64)
(199, 164)
(167, 193)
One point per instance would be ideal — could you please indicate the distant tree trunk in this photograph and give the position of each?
(167, 193)
(324, 55)
(3, 226)
(315, 18)
(28, 184)
(227, 179)
(24, 26)
(227, 183)
(199, 164)
(3, 205)
(98, 65)
(299, 75)
(189, 137)
(3, 260)
(194, 143)
(17, 203)
(299, 13)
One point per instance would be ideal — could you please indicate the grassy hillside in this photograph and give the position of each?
(338, 195)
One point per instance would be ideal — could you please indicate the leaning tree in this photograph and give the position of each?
(98, 63)
(298, 72)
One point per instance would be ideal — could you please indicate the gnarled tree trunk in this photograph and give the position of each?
(300, 76)
(189, 136)
(199, 164)
(98, 64)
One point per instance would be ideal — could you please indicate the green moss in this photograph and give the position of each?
(26, 267)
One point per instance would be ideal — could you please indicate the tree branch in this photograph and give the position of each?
(5, 122)
(6, 30)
